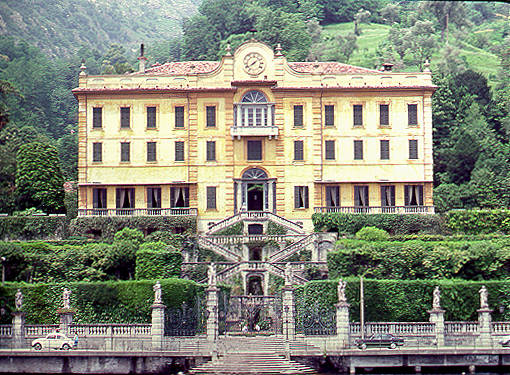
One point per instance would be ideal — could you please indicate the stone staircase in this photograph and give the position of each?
(217, 248)
(254, 355)
(255, 216)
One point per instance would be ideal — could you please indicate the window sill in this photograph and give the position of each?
(211, 127)
(97, 162)
(413, 126)
(384, 126)
(298, 162)
(211, 161)
(211, 210)
(152, 162)
(125, 162)
(151, 129)
(125, 128)
(97, 129)
(298, 127)
(179, 128)
(358, 126)
(300, 209)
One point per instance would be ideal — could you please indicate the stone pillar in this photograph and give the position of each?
(66, 319)
(158, 325)
(342, 324)
(484, 326)
(289, 325)
(437, 317)
(18, 329)
(212, 310)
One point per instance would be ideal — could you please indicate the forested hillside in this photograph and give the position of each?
(466, 43)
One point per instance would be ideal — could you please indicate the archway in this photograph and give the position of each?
(254, 285)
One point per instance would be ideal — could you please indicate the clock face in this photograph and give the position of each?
(254, 63)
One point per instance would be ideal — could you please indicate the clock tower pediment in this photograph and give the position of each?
(254, 61)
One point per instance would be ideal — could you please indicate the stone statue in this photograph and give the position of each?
(341, 290)
(436, 298)
(288, 274)
(65, 297)
(19, 300)
(157, 293)
(484, 295)
(211, 273)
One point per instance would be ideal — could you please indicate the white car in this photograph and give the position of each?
(53, 340)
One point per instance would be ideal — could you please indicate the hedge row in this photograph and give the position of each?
(478, 221)
(105, 227)
(33, 227)
(469, 260)
(391, 223)
(99, 302)
(408, 300)
(157, 260)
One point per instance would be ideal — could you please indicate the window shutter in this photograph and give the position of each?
(392, 195)
(305, 192)
(330, 150)
(329, 115)
(296, 196)
(97, 117)
(151, 117)
(298, 115)
(358, 115)
(384, 115)
(132, 197)
(420, 190)
(172, 197)
(358, 150)
(179, 151)
(385, 149)
(95, 198)
(413, 149)
(254, 150)
(406, 195)
(150, 202)
(97, 152)
(298, 150)
(365, 192)
(412, 114)
(211, 116)
(211, 150)
(117, 197)
(151, 151)
(179, 117)
(186, 196)
(211, 197)
(124, 117)
(124, 151)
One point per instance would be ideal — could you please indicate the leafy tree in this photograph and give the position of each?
(39, 181)
(391, 14)
(447, 12)
(337, 48)
(115, 61)
(421, 42)
(361, 16)
(450, 61)
(68, 154)
(199, 43)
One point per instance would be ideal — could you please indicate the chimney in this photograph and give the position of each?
(387, 67)
(141, 60)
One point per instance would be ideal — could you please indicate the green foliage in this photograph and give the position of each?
(372, 234)
(131, 235)
(275, 229)
(157, 260)
(172, 239)
(478, 221)
(232, 230)
(106, 227)
(408, 300)
(100, 302)
(391, 223)
(33, 227)
(470, 260)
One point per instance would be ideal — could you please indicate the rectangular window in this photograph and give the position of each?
(387, 195)
(125, 117)
(97, 117)
(300, 196)
(211, 197)
(298, 151)
(125, 151)
(412, 114)
(179, 197)
(151, 151)
(125, 201)
(298, 115)
(330, 150)
(358, 150)
(179, 151)
(361, 196)
(99, 198)
(179, 117)
(357, 114)
(97, 152)
(329, 115)
(413, 149)
(211, 151)
(385, 149)
(254, 150)
(211, 116)
(384, 114)
(333, 196)
(151, 117)
(413, 195)
(153, 198)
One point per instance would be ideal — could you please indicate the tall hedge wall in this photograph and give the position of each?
(157, 260)
(33, 227)
(101, 302)
(478, 221)
(409, 300)
(392, 223)
(105, 227)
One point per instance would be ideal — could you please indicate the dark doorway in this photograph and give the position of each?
(255, 229)
(256, 254)
(255, 286)
(255, 197)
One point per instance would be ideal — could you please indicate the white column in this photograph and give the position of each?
(239, 118)
(269, 116)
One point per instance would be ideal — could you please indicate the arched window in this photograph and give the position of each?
(254, 174)
(254, 97)
(254, 111)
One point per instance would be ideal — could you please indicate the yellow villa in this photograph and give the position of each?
(254, 134)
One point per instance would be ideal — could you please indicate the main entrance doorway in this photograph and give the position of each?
(255, 191)
(255, 197)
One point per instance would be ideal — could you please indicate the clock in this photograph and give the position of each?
(254, 63)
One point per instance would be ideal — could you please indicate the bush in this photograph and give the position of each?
(33, 227)
(478, 221)
(172, 239)
(372, 234)
(391, 223)
(128, 234)
(155, 260)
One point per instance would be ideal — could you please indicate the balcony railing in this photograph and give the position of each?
(137, 212)
(377, 210)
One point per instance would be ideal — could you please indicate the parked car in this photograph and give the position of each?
(380, 340)
(53, 340)
(505, 341)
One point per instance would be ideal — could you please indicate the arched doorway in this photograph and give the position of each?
(255, 191)
(254, 285)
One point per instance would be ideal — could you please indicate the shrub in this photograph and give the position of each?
(156, 260)
(172, 239)
(33, 227)
(128, 234)
(478, 221)
(372, 234)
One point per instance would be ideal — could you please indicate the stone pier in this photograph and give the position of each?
(18, 329)
(158, 325)
(437, 317)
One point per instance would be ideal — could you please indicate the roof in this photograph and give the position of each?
(330, 67)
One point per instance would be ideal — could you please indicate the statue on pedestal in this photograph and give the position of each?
(288, 274)
(436, 298)
(19, 300)
(484, 296)
(341, 290)
(211, 273)
(157, 293)
(66, 295)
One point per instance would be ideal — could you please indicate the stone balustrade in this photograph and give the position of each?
(395, 328)
(5, 330)
(461, 327)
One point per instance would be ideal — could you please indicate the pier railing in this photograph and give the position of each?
(395, 328)
(85, 330)
(461, 328)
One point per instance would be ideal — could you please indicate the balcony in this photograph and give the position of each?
(137, 212)
(254, 120)
(377, 210)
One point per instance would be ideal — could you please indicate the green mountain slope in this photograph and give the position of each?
(60, 27)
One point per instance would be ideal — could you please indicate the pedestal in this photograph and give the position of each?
(158, 325)
(289, 324)
(484, 327)
(66, 319)
(342, 324)
(18, 329)
(212, 310)
(437, 317)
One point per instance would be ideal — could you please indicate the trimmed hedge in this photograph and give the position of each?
(157, 260)
(105, 227)
(478, 221)
(391, 223)
(33, 227)
(471, 260)
(408, 300)
(101, 302)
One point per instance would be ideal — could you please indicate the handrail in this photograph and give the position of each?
(377, 210)
(291, 249)
(204, 241)
(185, 211)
